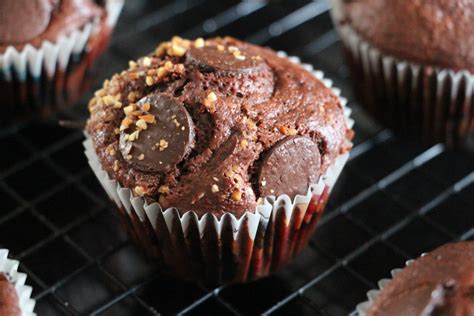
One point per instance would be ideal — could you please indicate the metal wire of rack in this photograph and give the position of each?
(394, 200)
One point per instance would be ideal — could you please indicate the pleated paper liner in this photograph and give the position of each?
(41, 80)
(9, 267)
(212, 250)
(426, 103)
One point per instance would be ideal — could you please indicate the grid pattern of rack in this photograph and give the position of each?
(394, 201)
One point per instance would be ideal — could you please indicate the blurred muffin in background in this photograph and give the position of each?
(412, 64)
(440, 283)
(46, 48)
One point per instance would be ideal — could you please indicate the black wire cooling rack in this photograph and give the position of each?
(394, 200)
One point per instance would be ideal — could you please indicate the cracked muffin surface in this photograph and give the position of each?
(213, 125)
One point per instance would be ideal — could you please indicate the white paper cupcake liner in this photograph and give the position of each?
(432, 103)
(9, 267)
(363, 308)
(228, 249)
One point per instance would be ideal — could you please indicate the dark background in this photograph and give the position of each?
(394, 200)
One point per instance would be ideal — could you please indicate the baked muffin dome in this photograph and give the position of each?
(439, 283)
(211, 126)
(431, 32)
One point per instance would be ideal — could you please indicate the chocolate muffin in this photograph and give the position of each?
(439, 283)
(412, 63)
(8, 298)
(46, 47)
(214, 127)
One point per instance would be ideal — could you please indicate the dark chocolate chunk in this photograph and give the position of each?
(225, 59)
(290, 167)
(164, 143)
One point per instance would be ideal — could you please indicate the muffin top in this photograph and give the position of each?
(211, 126)
(8, 298)
(440, 283)
(430, 32)
(34, 21)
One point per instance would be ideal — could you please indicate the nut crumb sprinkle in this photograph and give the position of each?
(139, 190)
(164, 189)
(163, 144)
(214, 188)
(236, 195)
(141, 157)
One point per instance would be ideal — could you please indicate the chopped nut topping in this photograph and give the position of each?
(251, 124)
(199, 42)
(141, 157)
(151, 72)
(100, 93)
(132, 64)
(244, 143)
(146, 107)
(118, 105)
(238, 55)
(175, 121)
(162, 72)
(215, 179)
(209, 100)
(129, 109)
(149, 81)
(109, 100)
(163, 144)
(233, 49)
(201, 195)
(133, 136)
(177, 51)
(272, 191)
(168, 65)
(237, 195)
(141, 124)
(220, 48)
(140, 191)
(292, 131)
(147, 61)
(116, 165)
(148, 118)
(129, 157)
(264, 183)
(132, 96)
(322, 109)
(125, 123)
(214, 188)
(117, 131)
(164, 189)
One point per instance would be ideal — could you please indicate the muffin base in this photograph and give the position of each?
(417, 101)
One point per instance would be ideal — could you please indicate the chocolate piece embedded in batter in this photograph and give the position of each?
(220, 58)
(167, 139)
(290, 167)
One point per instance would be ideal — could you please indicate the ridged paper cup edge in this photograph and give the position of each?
(10, 268)
(124, 198)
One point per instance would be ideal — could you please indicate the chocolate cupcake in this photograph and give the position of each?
(14, 294)
(219, 154)
(412, 64)
(439, 283)
(46, 49)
